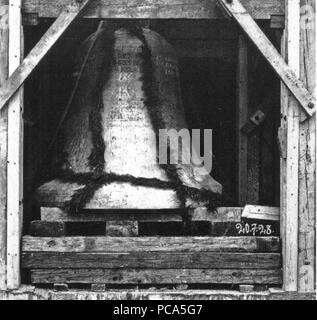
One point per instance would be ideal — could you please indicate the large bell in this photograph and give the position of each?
(108, 148)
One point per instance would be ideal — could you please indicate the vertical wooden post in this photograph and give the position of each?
(15, 156)
(242, 118)
(290, 215)
(4, 42)
(307, 155)
(283, 155)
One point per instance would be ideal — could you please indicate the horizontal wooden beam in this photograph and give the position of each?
(236, 9)
(223, 214)
(139, 244)
(157, 276)
(154, 9)
(151, 259)
(67, 15)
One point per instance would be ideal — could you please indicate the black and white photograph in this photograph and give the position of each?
(159, 150)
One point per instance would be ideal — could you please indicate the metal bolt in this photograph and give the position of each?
(311, 105)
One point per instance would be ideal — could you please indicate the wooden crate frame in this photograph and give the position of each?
(297, 234)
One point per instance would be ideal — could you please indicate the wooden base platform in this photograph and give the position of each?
(153, 260)
(102, 248)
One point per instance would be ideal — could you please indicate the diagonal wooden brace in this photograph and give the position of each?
(67, 16)
(235, 9)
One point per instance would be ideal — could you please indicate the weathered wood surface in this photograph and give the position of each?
(246, 288)
(122, 229)
(230, 214)
(67, 16)
(100, 287)
(150, 9)
(4, 42)
(261, 213)
(60, 286)
(15, 151)
(47, 229)
(151, 259)
(307, 156)
(140, 244)
(157, 276)
(285, 72)
(291, 202)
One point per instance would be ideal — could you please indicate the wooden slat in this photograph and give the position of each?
(155, 9)
(242, 118)
(285, 72)
(176, 244)
(291, 203)
(307, 155)
(122, 229)
(157, 276)
(4, 42)
(151, 259)
(67, 16)
(15, 151)
(261, 213)
(47, 229)
(223, 214)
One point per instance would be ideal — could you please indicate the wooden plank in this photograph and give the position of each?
(15, 152)
(4, 43)
(158, 9)
(307, 155)
(277, 22)
(99, 287)
(47, 229)
(283, 153)
(223, 214)
(151, 259)
(157, 276)
(261, 213)
(122, 229)
(67, 16)
(291, 217)
(176, 244)
(246, 288)
(284, 71)
(60, 286)
(242, 117)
